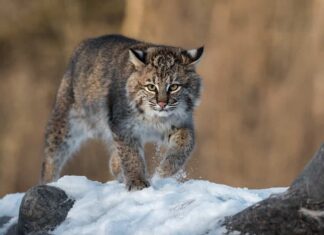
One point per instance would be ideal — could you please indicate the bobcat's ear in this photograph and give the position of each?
(137, 57)
(193, 56)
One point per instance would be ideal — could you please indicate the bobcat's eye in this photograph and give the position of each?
(174, 87)
(151, 87)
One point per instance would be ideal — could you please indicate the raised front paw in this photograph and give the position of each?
(137, 184)
(166, 170)
(162, 173)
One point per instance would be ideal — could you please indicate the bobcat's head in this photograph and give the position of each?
(164, 81)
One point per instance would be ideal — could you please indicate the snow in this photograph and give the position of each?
(168, 207)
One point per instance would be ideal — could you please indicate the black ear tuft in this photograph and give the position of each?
(193, 55)
(200, 52)
(137, 57)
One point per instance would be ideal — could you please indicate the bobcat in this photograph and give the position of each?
(127, 93)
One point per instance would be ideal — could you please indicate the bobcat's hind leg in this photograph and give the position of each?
(64, 135)
(57, 132)
(56, 147)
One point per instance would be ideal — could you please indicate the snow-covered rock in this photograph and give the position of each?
(167, 207)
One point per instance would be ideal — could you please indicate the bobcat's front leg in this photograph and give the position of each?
(132, 164)
(181, 144)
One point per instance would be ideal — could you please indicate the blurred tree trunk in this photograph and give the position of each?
(257, 118)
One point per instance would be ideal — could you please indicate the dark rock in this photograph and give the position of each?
(311, 179)
(42, 209)
(280, 214)
(299, 210)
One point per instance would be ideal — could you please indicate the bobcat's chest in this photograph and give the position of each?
(153, 130)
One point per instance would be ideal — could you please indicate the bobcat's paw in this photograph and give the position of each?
(164, 172)
(137, 184)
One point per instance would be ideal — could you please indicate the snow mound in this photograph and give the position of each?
(167, 207)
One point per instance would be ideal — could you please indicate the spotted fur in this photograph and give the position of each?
(127, 93)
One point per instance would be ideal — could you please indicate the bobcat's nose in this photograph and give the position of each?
(162, 104)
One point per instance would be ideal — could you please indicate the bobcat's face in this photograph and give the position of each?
(165, 82)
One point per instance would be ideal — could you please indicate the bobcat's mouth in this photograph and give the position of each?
(154, 109)
(165, 109)
(161, 109)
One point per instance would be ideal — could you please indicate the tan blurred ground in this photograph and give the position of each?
(262, 112)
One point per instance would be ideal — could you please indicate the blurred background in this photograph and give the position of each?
(262, 114)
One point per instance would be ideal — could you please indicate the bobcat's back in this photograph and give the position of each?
(100, 66)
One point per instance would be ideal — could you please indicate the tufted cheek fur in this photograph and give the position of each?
(193, 91)
(135, 92)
